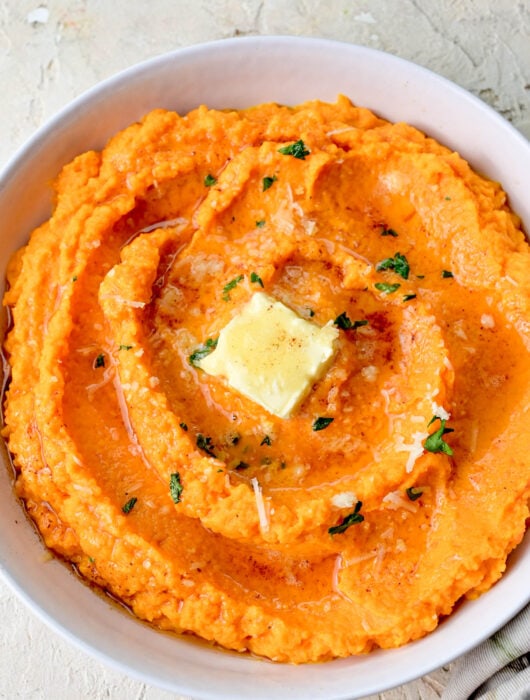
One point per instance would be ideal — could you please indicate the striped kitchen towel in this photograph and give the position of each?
(498, 669)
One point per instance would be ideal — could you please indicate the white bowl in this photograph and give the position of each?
(240, 73)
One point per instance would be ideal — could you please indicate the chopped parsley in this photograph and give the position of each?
(125, 347)
(202, 351)
(352, 519)
(321, 422)
(447, 273)
(387, 288)
(129, 505)
(175, 487)
(205, 444)
(260, 223)
(266, 441)
(74, 278)
(268, 182)
(255, 278)
(408, 297)
(435, 441)
(414, 492)
(231, 285)
(389, 232)
(100, 361)
(346, 324)
(241, 465)
(398, 263)
(210, 180)
(297, 149)
(183, 426)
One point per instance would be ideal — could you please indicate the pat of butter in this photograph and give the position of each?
(271, 355)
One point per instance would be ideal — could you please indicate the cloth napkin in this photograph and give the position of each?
(498, 669)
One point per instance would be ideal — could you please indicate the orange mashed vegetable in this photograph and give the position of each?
(191, 503)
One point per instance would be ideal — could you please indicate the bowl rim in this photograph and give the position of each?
(490, 623)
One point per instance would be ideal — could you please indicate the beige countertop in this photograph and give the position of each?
(52, 50)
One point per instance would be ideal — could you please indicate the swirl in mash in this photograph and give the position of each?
(397, 485)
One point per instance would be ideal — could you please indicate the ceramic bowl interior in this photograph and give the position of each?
(239, 73)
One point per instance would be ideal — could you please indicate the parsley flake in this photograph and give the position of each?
(352, 519)
(435, 441)
(241, 465)
(266, 441)
(447, 273)
(346, 324)
(414, 492)
(255, 278)
(100, 361)
(125, 347)
(175, 487)
(210, 180)
(321, 422)
(268, 182)
(205, 444)
(389, 232)
(408, 297)
(260, 223)
(129, 505)
(297, 149)
(202, 351)
(398, 263)
(231, 285)
(184, 426)
(387, 288)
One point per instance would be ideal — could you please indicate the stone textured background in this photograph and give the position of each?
(51, 51)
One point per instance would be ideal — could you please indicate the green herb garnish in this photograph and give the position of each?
(351, 519)
(125, 347)
(268, 182)
(321, 423)
(386, 288)
(175, 487)
(261, 223)
(435, 441)
(231, 285)
(408, 297)
(205, 444)
(183, 426)
(389, 232)
(447, 273)
(210, 180)
(297, 149)
(266, 441)
(241, 465)
(398, 263)
(100, 361)
(202, 351)
(414, 492)
(255, 278)
(129, 505)
(346, 324)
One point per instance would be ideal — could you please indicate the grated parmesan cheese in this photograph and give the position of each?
(344, 500)
(487, 321)
(396, 499)
(440, 412)
(260, 505)
(415, 450)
